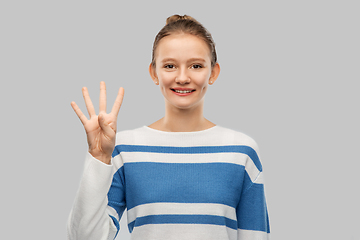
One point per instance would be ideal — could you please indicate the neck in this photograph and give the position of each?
(183, 120)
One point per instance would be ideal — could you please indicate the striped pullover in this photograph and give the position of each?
(204, 185)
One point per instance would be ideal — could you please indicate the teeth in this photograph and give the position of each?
(180, 91)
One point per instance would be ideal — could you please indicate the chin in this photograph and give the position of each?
(187, 106)
(183, 107)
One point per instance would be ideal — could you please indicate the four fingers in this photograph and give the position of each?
(102, 107)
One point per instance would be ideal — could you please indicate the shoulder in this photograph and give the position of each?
(242, 143)
(233, 137)
(129, 136)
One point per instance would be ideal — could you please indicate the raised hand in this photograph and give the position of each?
(100, 129)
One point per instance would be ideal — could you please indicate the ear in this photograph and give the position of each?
(153, 75)
(214, 73)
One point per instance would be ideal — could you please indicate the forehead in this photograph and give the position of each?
(182, 47)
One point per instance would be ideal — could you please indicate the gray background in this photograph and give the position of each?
(289, 80)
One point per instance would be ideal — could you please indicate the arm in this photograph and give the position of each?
(251, 212)
(89, 218)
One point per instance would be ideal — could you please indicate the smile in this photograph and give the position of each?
(182, 92)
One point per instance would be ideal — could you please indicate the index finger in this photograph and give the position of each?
(118, 101)
(79, 113)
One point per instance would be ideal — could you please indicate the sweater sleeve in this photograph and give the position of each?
(251, 212)
(89, 217)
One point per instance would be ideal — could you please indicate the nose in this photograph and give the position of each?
(182, 77)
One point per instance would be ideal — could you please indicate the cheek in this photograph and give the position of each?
(165, 77)
(202, 79)
(165, 81)
(204, 88)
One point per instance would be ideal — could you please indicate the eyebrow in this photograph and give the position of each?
(190, 60)
(196, 59)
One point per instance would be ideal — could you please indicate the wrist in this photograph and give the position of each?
(101, 157)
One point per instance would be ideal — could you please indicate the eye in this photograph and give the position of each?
(196, 66)
(169, 66)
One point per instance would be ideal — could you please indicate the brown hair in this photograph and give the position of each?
(188, 25)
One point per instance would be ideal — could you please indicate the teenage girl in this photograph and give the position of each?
(180, 178)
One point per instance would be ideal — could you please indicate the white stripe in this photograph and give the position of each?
(249, 234)
(234, 158)
(181, 208)
(111, 211)
(117, 162)
(183, 231)
(220, 136)
(259, 179)
(226, 157)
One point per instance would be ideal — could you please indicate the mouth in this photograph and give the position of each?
(182, 90)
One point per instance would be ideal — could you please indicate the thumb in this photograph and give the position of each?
(104, 126)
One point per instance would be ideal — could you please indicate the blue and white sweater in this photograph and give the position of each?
(205, 185)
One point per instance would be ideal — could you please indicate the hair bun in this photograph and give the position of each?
(185, 24)
(176, 17)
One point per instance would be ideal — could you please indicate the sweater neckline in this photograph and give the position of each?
(177, 133)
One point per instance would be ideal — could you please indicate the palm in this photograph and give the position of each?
(99, 140)
(100, 129)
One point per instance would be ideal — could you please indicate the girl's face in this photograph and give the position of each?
(183, 70)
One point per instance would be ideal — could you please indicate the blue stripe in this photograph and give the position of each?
(149, 182)
(252, 211)
(116, 194)
(191, 150)
(116, 224)
(183, 219)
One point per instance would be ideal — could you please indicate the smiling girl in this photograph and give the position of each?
(180, 178)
